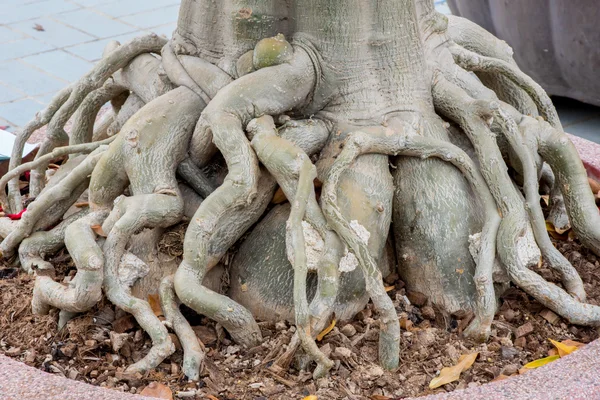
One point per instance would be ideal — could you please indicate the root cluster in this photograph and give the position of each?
(283, 119)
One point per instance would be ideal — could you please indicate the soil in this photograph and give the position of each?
(96, 347)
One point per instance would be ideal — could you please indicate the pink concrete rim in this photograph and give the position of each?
(575, 377)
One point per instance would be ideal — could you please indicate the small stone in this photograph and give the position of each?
(256, 385)
(473, 384)
(68, 350)
(508, 352)
(174, 369)
(73, 374)
(426, 337)
(428, 312)
(349, 330)
(509, 314)
(13, 351)
(521, 342)
(510, 369)
(117, 340)
(524, 330)
(30, 356)
(494, 346)
(417, 298)
(452, 352)
(374, 372)
(505, 341)
(342, 353)
(549, 316)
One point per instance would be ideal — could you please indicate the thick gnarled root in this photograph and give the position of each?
(129, 216)
(294, 172)
(60, 195)
(193, 350)
(85, 290)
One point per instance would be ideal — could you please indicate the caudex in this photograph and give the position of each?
(389, 110)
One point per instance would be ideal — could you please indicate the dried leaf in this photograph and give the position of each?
(563, 349)
(82, 204)
(210, 397)
(325, 331)
(594, 185)
(98, 230)
(155, 305)
(389, 288)
(554, 233)
(406, 324)
(500, 377)
(157, 390)
(546, 199)
(279, 197)
(451, 374)
(570, 342)
(38, 28)
(540, 363)
(552, 352)
(379, 397)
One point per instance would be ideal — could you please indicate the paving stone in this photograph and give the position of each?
(27, 79)
(60, 64)
(8, 35)
(21, 111)
(92, 51)
(54, 33)
(129, 7)
(153, 18)
(9, 94)
(94, 23)
(21, 48)
(22, 12)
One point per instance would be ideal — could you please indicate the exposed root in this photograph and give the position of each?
(193, 349)
(85, 290)
(132, 215)
(56, 195)
(475, 62)
(393, 143)
(295, 174)
(109, 64)
(33, 249)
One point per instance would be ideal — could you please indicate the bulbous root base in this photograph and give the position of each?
(181, 109)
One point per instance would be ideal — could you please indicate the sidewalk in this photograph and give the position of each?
(46, 44)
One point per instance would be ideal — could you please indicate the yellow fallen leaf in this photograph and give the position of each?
(311, 397)
(325, 331)
(563, 349)
(279, 197)
(389, 288)
(500, 377)
(570, 342)
(98, 230)
(155, 305)
(157, 390)
(546, 199)
(451, 374)
(554, 233)
(541, 362)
